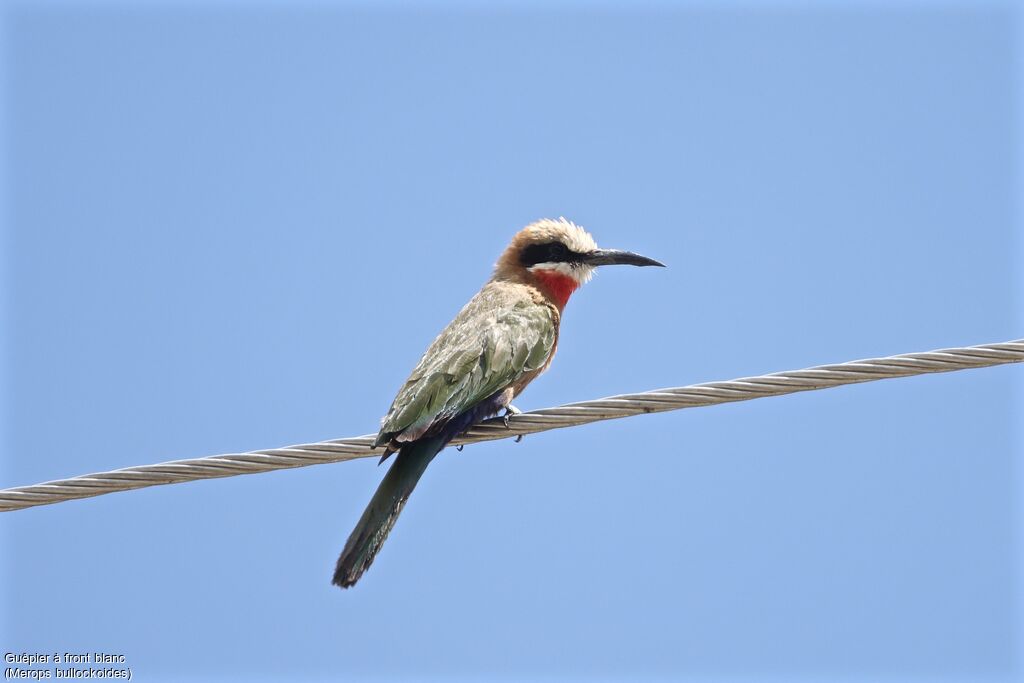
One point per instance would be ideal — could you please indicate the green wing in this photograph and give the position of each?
(499, 336)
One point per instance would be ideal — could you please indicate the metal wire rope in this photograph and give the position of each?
(569, 415)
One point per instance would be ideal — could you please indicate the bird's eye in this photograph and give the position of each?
(549, 252)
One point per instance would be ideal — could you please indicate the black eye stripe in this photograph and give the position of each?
(549, 252)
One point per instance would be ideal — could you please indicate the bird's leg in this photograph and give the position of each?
(510, 410)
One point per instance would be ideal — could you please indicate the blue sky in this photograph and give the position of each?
(231, 226)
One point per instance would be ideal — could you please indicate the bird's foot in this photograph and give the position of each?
(510, 410)
(460, 447)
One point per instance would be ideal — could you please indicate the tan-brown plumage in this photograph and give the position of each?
(501, 340)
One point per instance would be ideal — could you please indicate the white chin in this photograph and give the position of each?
(579, 273)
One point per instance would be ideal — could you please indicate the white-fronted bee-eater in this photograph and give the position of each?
(498, 343)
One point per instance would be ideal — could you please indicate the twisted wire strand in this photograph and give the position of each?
(569, 415)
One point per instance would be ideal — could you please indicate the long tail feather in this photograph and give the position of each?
(380, 515)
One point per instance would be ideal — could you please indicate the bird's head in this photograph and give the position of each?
(559, 256)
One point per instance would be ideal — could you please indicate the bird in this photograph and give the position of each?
(501, 340)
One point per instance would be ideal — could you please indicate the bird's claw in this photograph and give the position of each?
(510, 410)
(460, 447)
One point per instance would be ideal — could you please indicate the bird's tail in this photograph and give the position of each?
(382, 512)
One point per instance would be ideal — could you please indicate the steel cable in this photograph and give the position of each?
(570, 415)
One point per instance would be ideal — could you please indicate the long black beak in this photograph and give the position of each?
(611, 257)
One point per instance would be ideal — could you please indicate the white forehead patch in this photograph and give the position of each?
(564, 231)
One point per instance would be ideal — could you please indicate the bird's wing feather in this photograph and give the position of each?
(496, 338)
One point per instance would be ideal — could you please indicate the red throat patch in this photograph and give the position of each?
(559, 287)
